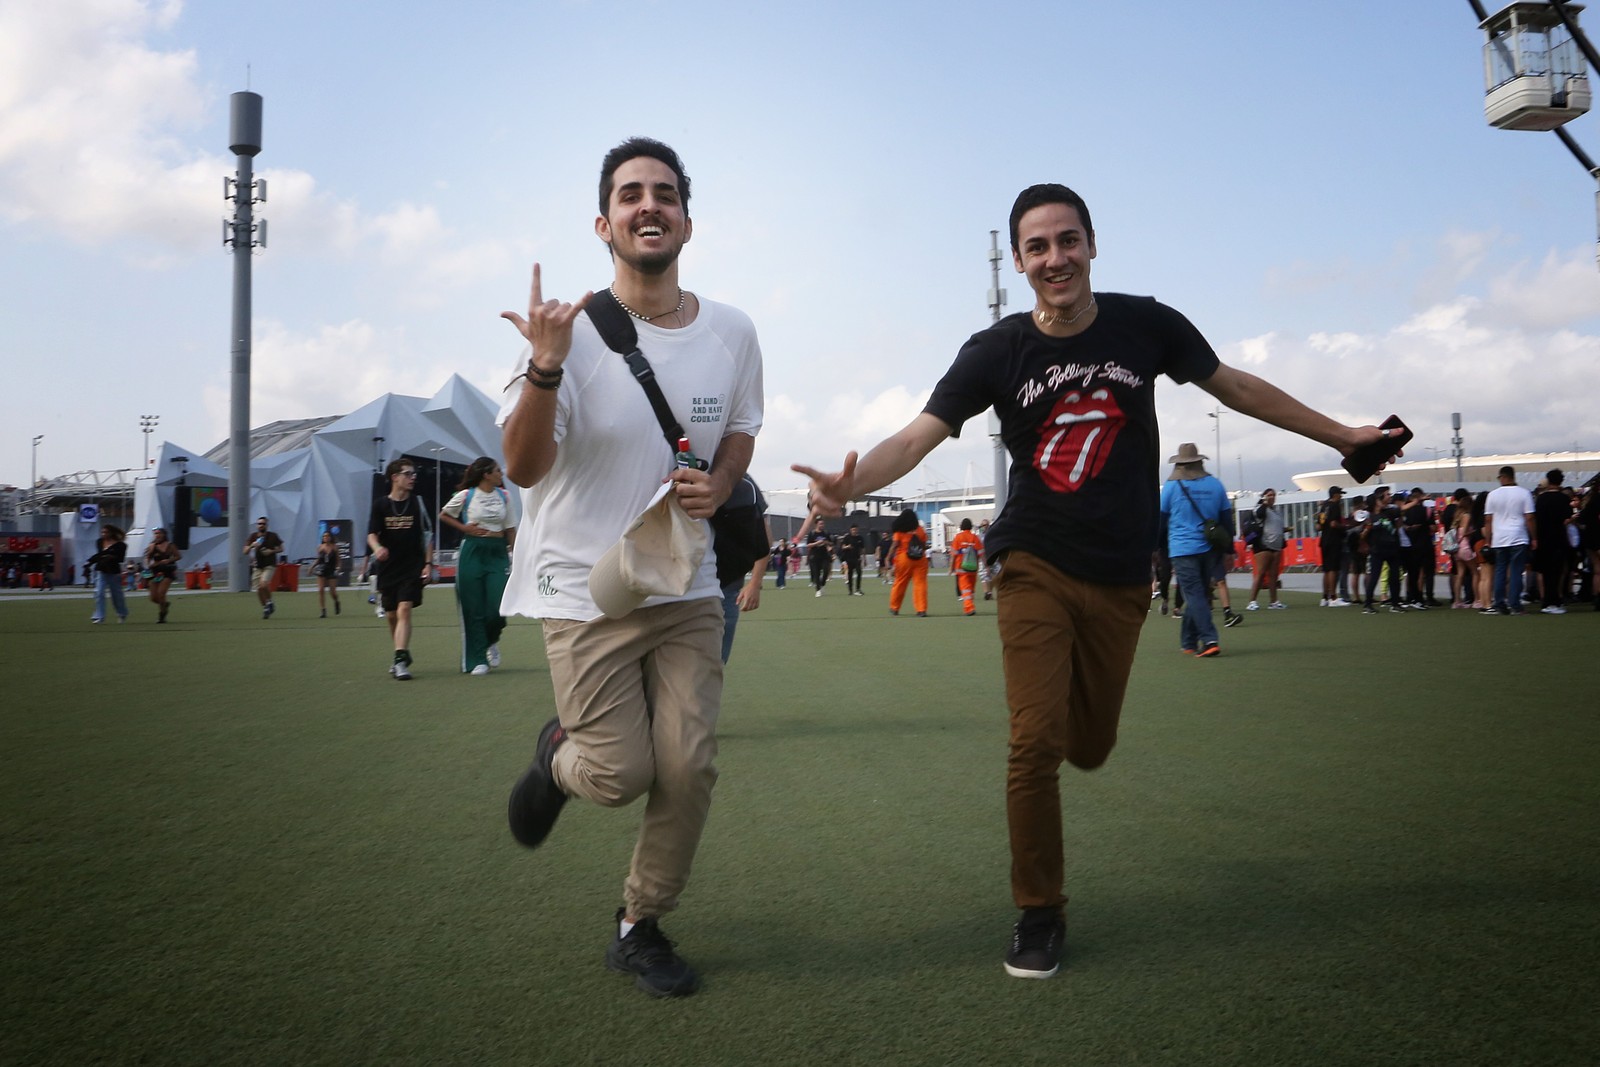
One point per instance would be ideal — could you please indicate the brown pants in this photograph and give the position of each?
(1068, 648)
(639, 697)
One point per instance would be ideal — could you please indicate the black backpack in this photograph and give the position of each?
(915, 549)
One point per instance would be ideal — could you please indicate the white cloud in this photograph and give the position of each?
(1518, 388)
(330, 372)
(1559, 292)
(96, 143)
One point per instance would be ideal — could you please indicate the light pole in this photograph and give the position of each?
(33, 485)
(438, 474)
(1455, 442)
(997, 300)
(147, 426)
(1217, 414)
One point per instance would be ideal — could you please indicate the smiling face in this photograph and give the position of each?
(646, 223)
(1053, 250)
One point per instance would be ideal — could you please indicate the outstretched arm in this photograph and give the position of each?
(1260, 399)
(890, 459)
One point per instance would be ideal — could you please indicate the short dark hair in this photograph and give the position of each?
(1049, 193)
(966, 524)
(1507, 471)
(1555, 477)
(633, 148)
(397, 465)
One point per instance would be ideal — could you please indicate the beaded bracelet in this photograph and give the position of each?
(537, 376)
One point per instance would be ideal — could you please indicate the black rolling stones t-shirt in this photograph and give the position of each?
(1078, 417)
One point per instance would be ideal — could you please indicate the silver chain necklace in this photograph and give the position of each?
(682, 296)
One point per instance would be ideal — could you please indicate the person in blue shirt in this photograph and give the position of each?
(1189, 498)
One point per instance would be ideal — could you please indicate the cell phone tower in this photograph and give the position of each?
(242, 234)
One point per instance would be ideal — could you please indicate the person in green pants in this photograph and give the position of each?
(481, 511)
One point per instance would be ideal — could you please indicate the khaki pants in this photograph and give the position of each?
(1068, 647)
(639, 698)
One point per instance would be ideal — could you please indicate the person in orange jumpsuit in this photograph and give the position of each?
(910, 557)
(966, 560)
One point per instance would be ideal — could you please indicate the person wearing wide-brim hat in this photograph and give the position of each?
(1187, 464)
(1190, 499)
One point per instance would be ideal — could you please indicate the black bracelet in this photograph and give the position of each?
(545, 379)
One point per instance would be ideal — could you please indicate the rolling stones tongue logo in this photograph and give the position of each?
(1077, 439)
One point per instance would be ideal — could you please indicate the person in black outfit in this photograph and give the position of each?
(1552, 510)
(1330, 534)
(398, 534)
(1382, 533)
(850, 548)
(161, 560)
(1417, 556)
(819, 553)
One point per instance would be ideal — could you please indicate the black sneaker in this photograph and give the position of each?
(1231, 619)
(647, 954)
(1036, 943)
(536, 800)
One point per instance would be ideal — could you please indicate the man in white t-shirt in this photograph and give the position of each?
(637, 697)
(1508, 528)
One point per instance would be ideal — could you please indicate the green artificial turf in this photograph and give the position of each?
(1349, 839)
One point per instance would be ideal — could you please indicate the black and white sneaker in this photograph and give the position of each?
(536, 800)
(1036, 943)
(647, 954)
(1230, 618)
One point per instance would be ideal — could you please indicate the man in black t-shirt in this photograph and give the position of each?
(1382, 537)
(850, 547)
(1073, 384)
(1330, 540)
(399, 536)
(1417, 554)
(263, 547)
(819, 554)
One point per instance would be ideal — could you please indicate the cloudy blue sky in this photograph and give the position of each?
(1312, 184)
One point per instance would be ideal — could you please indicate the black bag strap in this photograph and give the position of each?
(617, 330)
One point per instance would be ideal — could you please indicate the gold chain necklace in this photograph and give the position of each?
(1057, 320)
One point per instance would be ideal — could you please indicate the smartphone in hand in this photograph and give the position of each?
(1364, 462)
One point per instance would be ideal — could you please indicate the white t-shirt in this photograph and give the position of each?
(1509, 505)
(611, 455)
(491, 509)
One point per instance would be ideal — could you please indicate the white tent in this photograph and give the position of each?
(314, 470)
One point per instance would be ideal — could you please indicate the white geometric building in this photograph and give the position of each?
(311, 470)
